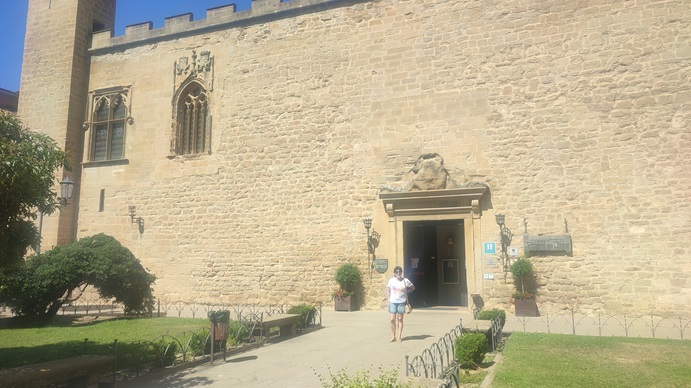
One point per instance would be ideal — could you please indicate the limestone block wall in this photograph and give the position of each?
(574, 110)
(54, 86)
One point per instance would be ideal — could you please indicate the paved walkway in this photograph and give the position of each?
(351, 341)
(359, 341)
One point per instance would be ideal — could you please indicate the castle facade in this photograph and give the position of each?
(237, 155)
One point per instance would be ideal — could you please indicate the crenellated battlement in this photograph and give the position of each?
(216, 18)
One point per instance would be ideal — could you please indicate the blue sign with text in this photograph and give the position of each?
(490, 248)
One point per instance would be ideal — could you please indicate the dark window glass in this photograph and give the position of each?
(193, 131)
(108, 138)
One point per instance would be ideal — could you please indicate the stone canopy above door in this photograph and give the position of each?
(428, 189)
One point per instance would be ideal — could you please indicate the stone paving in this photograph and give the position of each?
(359, 341)
(350, 341)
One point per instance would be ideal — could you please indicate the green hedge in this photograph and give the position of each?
(490, 315)
(471, 349)
(308, 312)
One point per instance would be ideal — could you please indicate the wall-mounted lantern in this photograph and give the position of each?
(66, 190)
(134, 218)
(506, 236)
(372, 242)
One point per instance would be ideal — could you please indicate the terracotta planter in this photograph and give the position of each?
(526, 308)
(343, 304)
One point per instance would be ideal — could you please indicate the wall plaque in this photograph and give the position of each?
(547, 245)
(381, 265)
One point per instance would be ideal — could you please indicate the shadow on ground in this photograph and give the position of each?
(416, 337)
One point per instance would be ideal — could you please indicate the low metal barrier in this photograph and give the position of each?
(438, 362)
(141, 357)
(571, 321)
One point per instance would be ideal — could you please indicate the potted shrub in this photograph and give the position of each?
(349, 279)
(524, 297)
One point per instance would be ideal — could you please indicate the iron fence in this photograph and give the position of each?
(438, 361)
(571, 321)
(136, 358)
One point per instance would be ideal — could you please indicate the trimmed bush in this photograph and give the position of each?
(37, 287)
(471, 349)
(307, 313)
(348, 277)
(522, 271)
(490, 315)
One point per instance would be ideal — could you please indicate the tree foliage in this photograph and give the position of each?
(522, 270)
(44, 282)
(28, 161)
(348, 277)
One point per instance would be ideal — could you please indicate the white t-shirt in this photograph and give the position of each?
(397, 289)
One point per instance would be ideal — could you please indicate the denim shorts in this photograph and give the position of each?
(397, 308)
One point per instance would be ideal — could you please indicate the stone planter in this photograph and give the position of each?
(526, 308)
(344, 304)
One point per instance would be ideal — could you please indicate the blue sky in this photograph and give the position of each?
(128, 12)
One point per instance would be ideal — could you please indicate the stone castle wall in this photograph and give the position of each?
(575, 110)
(54, 85)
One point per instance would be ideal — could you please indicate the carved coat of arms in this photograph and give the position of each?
(204, 62)
(198, 66)
(182, 66)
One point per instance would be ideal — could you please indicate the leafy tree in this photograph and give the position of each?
(348, 277)
(28, 161)
(522, 271)
(45, 282)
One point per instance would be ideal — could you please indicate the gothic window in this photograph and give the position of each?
(192, 121)
(109, 120)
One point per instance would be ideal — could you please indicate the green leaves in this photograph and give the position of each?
(521, 269)
(38, 286)
(28, 162)
(470, 349)
(348, 277)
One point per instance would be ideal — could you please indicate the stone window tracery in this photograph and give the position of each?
(193, 130)
(109, 122)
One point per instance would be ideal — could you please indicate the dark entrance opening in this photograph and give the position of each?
(434, 257)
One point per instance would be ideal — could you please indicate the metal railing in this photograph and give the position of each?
(438, 361)
(571, 321)
(136, 358)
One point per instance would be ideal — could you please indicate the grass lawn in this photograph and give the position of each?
(553, 360)
(64, 336)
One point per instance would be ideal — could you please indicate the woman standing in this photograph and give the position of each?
(397, 290)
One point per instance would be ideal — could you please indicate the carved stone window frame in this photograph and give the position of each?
(188, 71)
(177, 149)
(97, 97)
